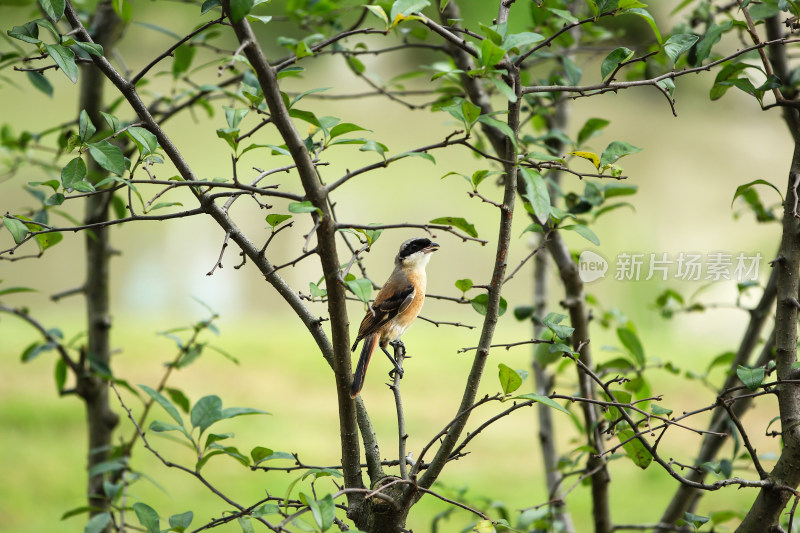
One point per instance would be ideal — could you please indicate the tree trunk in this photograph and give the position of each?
(770, 502)
(92, 386)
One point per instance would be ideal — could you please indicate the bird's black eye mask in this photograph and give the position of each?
(413, 246)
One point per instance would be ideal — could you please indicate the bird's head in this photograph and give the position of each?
(415, 252)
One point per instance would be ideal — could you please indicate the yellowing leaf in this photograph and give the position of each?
(380, 13)
(589, 156)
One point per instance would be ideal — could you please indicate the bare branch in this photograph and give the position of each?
(172, 49)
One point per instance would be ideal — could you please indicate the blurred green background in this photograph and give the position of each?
(687, 175)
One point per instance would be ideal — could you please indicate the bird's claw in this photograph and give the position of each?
(399, 348)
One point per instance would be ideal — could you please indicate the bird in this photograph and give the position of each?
(395, 307)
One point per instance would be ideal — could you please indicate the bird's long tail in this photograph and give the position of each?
(370, 342)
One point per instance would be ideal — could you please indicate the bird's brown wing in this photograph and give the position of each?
(383, 310)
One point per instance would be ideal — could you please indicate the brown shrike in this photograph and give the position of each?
(397, 305)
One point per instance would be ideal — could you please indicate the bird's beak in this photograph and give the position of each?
(432, 247)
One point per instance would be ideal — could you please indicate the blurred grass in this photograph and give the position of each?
(43, 441)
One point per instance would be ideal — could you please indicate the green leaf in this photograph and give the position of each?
(206, 411)
(303, 207)
(374, 146)
(372, 235)
(751, 377)
(423, 155)
(616, 188)
(315, 291)
(233, 412)
(108, 156)
(345, 127)
(183, 56)
(245, 524)
(592, 127)
(504, 89)
(660, 411)
(55, 199)
(361, 287)
(85, 127)
(208, 5)
(34, 350)
(91, 48)
(97, 523)
(234, 116)
(259, 18)
(147, 516)
(259, 453)
(695, 520)
(724, 79)
(160, 427)
(536, 193)
(457, 222)
(521, 40)
(73, 172)
(678, 45)
(479, 175)
(326, 509)
(239, 9)
(53, 8)
(214, 437)
(65, 59)
(481, 304)
(634, 449)
(12, 290)
(553, 322)
(613, 60)
(647, 17)
(46, 240)
(18, 230)
(510, 379)
(542, 399)
(502, 126)
(180, 522)
(229, 135)
(523, 312)
(164, 403)
(463, 284)
(178, 397)
(302, 50)
(606, 6)
(495, 33)
(584, 232)
(53, 184)
(306, 93)
(708, 41)
(631, 342)
(29, 33)
(274, 219)
(404, 8)
(145, 141)
(471, 112)
(564, 14)
(265, 509)
(490, 53)
(40, 82)
(741, 189)
(617, 150)
(111, 120)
